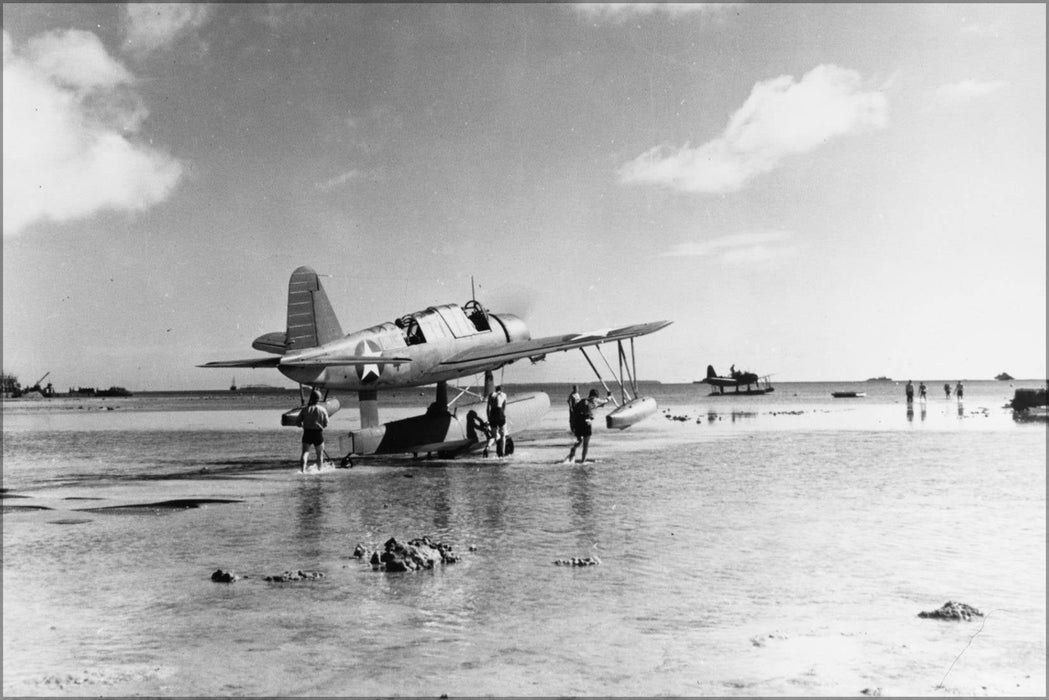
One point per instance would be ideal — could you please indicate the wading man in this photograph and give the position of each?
(497, 419)
(313, 419)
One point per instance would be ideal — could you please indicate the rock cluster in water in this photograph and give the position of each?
(420, 553)
(576, 561)
(221, 576)
(952, 611)
(298, 575)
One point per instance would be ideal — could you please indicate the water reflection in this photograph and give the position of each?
(442, 504)
(961, 410)
(311, 505)
(580, 491)
(910, 412)
(923, 411)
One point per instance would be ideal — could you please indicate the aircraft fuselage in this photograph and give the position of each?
(427, 338)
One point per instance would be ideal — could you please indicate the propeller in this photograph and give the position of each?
(516, 299)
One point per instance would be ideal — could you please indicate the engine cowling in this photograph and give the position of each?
(513, 327)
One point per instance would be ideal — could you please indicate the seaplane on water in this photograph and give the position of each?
(433, 346)
(750, 382)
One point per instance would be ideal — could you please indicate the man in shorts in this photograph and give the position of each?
(313, 419)
(583, 412)
(497, 419)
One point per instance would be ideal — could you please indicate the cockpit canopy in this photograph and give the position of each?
(444, 321)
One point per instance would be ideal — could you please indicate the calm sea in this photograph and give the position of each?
(767, 545)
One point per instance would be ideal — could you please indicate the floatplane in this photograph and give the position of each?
(750, 382)
(433, 346)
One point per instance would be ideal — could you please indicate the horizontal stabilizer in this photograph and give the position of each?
(256, 362)
(271, 342)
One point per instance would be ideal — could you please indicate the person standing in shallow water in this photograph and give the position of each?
(573, 399)
(947, 390)
(909, 390)
(313, 419)
(497, 419)
(921, 391)
(583, 413)
(958, 390)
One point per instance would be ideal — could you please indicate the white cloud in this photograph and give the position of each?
(70, 115)
(979, 29)
(621, 12)
(737, 248)
(153, 26)
(966, 90)
(780, 118)
(340, 179)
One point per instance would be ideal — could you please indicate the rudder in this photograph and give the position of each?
(311, 320)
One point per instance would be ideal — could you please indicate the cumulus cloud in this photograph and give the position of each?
(339, 180)
(70, 119)
(621, 12)
(780, 118)
(737, 248)
(966, 90)
(153, 26)
(979, 29)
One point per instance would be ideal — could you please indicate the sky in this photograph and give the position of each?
(819, 191)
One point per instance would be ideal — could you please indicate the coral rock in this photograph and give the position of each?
(952, 611)
(221, 576)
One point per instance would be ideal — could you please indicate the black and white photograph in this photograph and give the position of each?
(524, 349)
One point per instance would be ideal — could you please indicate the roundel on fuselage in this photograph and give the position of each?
(368, 373)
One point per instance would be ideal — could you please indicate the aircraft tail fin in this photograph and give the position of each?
(311, 320)
(710, 372)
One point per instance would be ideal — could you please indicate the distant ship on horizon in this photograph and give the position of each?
(882, 378)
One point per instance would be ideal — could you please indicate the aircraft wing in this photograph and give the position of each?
(311, 361)
(331, 360)
(483, 358)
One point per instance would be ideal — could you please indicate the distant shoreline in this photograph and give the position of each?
(559, 385)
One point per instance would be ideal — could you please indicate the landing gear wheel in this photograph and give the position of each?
(346, 462)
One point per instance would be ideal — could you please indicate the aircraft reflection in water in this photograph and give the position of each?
(433, 346)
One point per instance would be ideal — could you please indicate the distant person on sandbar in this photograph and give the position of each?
(921, 391)
(313, 419)
(583, 414)
(959, 390)
(909, 390)
(497, 419)
(947, 390)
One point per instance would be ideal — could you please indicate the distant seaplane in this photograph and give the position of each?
(432, 346)
(749, 382)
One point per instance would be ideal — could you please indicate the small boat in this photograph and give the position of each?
(848, 394)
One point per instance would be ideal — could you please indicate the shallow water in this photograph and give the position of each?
(771, 545)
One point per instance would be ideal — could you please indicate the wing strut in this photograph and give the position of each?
(626, 377)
